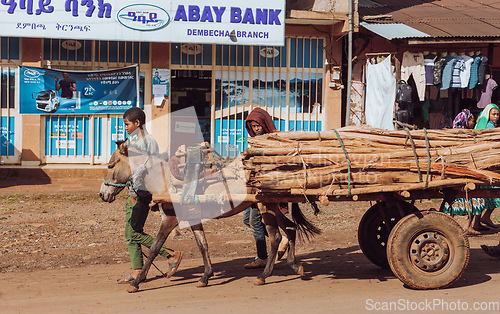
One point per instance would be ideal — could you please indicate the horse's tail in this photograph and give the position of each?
(304, 226)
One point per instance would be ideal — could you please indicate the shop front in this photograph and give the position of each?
(448, 61)
(198, 72)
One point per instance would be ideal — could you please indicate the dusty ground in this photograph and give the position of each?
(45, 231)
(64, 251)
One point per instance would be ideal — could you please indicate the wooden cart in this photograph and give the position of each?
(425, 249)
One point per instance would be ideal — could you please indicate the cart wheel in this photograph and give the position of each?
(373, 231)
(428, 250)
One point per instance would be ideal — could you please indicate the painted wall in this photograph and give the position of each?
(160, 122)
(31, 150)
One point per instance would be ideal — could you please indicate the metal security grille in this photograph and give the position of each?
(286, 81)
(82, 138)
(90, 138)
(10, 123)
(93, 55)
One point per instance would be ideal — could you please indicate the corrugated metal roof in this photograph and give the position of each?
(392, 31)
(439, 19)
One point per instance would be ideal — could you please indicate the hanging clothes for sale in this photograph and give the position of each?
(448, 72)
(380, 94)
(429, 60)
(474, 72)
(413, 63)
(438, 68)
(465, 74)
(481, 70)
(486, 93)
(458, 68)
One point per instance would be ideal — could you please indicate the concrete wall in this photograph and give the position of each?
(31, 151)
(160, 122)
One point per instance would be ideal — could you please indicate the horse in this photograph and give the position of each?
(158, 181)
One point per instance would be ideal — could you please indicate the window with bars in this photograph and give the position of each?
(9, 47)
(8, 88)
(97, 51)
(9, 51)
(286, 81)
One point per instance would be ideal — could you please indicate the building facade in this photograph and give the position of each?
(215, 84)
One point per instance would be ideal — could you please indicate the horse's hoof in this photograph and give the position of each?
(201, 284)
(259, 282)
(300, 271)
(132, 289)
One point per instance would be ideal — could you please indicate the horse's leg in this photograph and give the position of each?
(289, 228)
(168, 223)
(269, 218)
(201, 240)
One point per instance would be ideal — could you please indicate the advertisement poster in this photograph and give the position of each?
(239, 22)
(47, 91)
(161, 82)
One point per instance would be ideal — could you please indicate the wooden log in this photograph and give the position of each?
(390, 188)
(270, 197)
(215, 199)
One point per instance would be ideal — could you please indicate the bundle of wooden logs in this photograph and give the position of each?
(362, 160)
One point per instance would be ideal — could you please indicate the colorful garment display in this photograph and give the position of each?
(486, 93)
(413, 64)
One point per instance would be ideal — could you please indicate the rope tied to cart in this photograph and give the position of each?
(428, 159)
(414, 153)
(304, 166)
(348, 163)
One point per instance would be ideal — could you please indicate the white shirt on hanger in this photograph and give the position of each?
(465, 74)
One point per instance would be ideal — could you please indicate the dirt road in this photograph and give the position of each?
(64, 252)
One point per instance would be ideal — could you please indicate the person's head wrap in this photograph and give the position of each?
(484, 117)
(462, 119)
(261, 117)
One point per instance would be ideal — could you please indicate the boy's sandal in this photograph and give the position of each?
(491, 250)
(489, 224)
(481, 228)
(127, 279)
(472, 232)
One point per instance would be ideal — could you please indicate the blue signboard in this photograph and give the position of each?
(47, 91)
(257, 22)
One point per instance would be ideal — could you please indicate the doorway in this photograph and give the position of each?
(190, 88)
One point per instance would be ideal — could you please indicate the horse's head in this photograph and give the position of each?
(118, 175)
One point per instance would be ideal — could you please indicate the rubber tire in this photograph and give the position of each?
(399, 250)
(55, 109)
(373, 235)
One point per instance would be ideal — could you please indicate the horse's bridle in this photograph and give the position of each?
(118, 185)
(129, 182)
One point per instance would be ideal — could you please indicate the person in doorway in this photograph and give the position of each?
(137, 207)
(489, 119)
(67, 86)
(473, 207)
(259, 122)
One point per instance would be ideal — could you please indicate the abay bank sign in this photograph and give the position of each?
(258, 22)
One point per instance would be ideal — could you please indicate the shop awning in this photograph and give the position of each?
(443, 20)
(394, 30)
